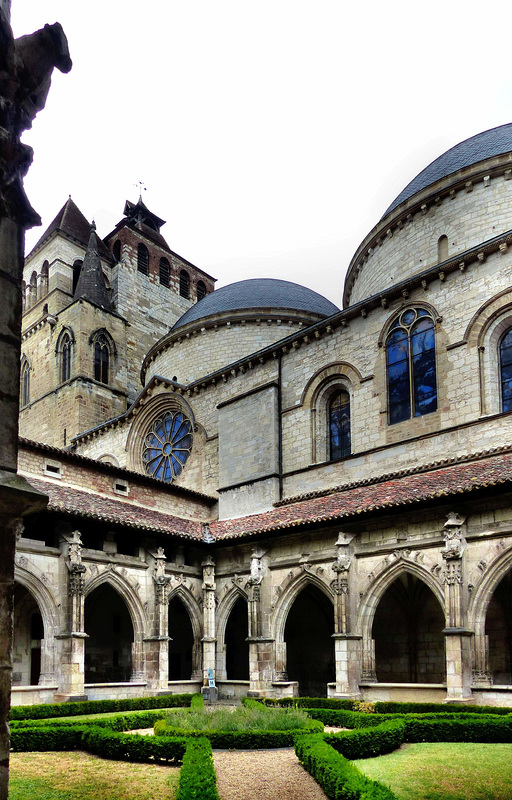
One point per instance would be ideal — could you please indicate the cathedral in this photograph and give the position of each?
(253, 487)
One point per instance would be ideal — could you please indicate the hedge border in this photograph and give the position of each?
(52, 710)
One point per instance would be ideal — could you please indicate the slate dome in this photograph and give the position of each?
(264, 293)
(493, 142)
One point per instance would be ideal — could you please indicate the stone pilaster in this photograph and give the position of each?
(347, 646)
(261, 646)
(72, 640)
(156, 647)
(209, 640)
(458, 638)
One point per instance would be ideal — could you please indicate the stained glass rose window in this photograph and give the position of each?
(167, 446)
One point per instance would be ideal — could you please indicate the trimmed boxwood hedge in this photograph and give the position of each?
(47, 710)
(197, 775)
(119, 722)
(388, 707)
(339, 779)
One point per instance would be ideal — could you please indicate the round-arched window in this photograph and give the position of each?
(167, 446)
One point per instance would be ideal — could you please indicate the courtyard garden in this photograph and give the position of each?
(381, 751)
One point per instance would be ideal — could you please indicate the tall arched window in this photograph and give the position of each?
(338, 424)
(101, 359)
(506, 371)
(25, 382)
(116, 250)
(77, 267)
(165, 272)
(65, 357)
(45, 271)
(442, 248)
(184, 284)
(143, 259)
(201, 290)
(411, 364)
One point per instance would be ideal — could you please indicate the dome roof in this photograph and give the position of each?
(264, 293)
(484, 145)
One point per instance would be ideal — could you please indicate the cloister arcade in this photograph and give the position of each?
(400, 627)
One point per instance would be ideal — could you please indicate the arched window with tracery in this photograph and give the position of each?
(65, 357)
(338, 424)
(506, 371)
(184, 284)
(201, 290)
(25, 382)
(101, 358)
(143, 259)
(411, 365)
(165, 272)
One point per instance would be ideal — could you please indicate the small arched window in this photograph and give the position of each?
(116, 250)
(411, 365)
(201, 290)
(33, 288)
(184, 284)
(442, 248)
(165, 272)
(338, 425)
(25, 383)
(65, 357)
(506, 371)
(143, 259)
(101, 359)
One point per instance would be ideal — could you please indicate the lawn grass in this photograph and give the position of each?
(443, 771)
(80, 776)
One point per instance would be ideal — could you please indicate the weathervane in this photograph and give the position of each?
(141, 187)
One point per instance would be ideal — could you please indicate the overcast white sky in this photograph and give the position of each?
(271, 135)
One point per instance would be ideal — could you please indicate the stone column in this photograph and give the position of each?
(72, 640)
(347, 645)
(26, 66)
(458, 637)
(261, 646)
(156, 647)
(209, 639)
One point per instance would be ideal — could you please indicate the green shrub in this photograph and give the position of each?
(369, 742)
(98, 741)
(388, 707)
(197, 775)
(339, 779)
(347, 719)
(309, 702)
(47, 710)
(197, 702)
(119, 722)
(467, 729)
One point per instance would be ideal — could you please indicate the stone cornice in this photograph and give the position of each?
(432, 196)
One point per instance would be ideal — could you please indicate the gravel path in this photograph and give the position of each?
(263, 775)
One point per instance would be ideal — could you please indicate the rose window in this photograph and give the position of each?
(167, 446)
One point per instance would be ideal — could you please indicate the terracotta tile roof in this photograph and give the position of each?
(73, 501)
(443, 483)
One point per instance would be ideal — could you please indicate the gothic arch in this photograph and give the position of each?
(481, 597)
(225, 608)
(49, 610)
(378, 587)
(336, 369)
(42, 595)
(431, 311)
(192, 607)
(135, 610)
(128, 594)
(288, 597)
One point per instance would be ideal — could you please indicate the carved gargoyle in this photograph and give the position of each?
(26, 66)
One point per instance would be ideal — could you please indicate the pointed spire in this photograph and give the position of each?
(91, 281)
